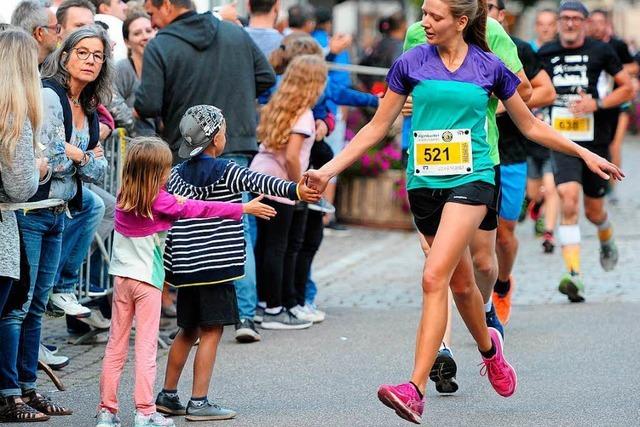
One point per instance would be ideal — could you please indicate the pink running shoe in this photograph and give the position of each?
(403, 399)
(501, 374)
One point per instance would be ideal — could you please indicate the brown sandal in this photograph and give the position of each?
(44, 404)
(19, 412)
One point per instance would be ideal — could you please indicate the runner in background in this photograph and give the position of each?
(546, 28)
(600, 28)
(575, 63)
(542, 201)
(513, 167)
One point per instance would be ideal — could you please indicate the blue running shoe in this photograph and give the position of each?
(493, 321)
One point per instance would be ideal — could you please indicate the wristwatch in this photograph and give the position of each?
(600, 104)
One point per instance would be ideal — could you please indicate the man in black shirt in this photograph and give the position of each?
(575, 63)
(600, 28)
(513, 167)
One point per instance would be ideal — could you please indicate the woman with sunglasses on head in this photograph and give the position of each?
(76, 79)
(450, 177)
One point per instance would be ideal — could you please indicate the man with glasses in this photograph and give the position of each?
(39, 21)
(575, 63)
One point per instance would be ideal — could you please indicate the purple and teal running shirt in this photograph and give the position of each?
(455, 101)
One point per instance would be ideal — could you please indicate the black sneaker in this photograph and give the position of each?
(443, 372)
(208, 412)
(169, 404)
(246, 331)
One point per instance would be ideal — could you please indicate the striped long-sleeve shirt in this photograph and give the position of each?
(209, 251)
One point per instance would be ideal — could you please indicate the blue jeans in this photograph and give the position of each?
(5, 289)
(310, 291)
(246, 287)
(20, 328)
(76, 241)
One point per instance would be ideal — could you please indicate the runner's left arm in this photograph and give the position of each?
(541, 133)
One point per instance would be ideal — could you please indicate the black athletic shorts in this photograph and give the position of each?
(207, 305)
(427, 204)
(572, 169)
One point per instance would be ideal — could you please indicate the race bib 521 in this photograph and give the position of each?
(442, 152)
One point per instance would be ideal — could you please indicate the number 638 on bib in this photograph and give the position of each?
(442, 152)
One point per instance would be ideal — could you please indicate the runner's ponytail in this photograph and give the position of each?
(476, 11)
(476, 31)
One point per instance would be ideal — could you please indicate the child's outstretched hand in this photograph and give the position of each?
(305, 193)
(258, 209)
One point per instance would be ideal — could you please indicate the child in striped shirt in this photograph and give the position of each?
(204, 256)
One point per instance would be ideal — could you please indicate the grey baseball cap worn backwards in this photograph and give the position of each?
(198, 127)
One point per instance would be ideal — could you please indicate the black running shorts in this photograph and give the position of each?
(427, 204)
(572, 169)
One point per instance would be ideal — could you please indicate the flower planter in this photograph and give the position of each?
(373, 201)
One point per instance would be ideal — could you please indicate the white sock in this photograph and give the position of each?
(262, 304)
(443, 346)
(487, 306)
(605, 225)
(273, 310)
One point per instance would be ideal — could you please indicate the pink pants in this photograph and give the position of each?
(132, 298)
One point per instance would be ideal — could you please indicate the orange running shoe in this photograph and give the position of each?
(503, 303)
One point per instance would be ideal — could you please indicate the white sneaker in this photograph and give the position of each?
(54, 362)
(154, 420)
(318, 315)
(97, 320)
(307, 313)
(70, 305)
(106, 419)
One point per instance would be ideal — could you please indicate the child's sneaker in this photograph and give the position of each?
(208, 412)
(501, 374)
(106, 418)
(404, 399)
(169, 404)
(154, 420)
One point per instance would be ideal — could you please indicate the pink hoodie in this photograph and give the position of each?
(166, 209)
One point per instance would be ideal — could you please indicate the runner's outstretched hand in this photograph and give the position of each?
(307, 193)
(316, 180)
(258, 209)
(601, 166)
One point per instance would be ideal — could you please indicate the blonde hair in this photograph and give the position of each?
(301, 86)
(20, 86)
(295, 44)
(146, 169)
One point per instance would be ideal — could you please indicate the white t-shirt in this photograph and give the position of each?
(115, 34)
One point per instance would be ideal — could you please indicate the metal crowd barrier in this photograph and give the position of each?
(114, 151)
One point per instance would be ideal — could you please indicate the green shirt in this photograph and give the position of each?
(503, 47)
